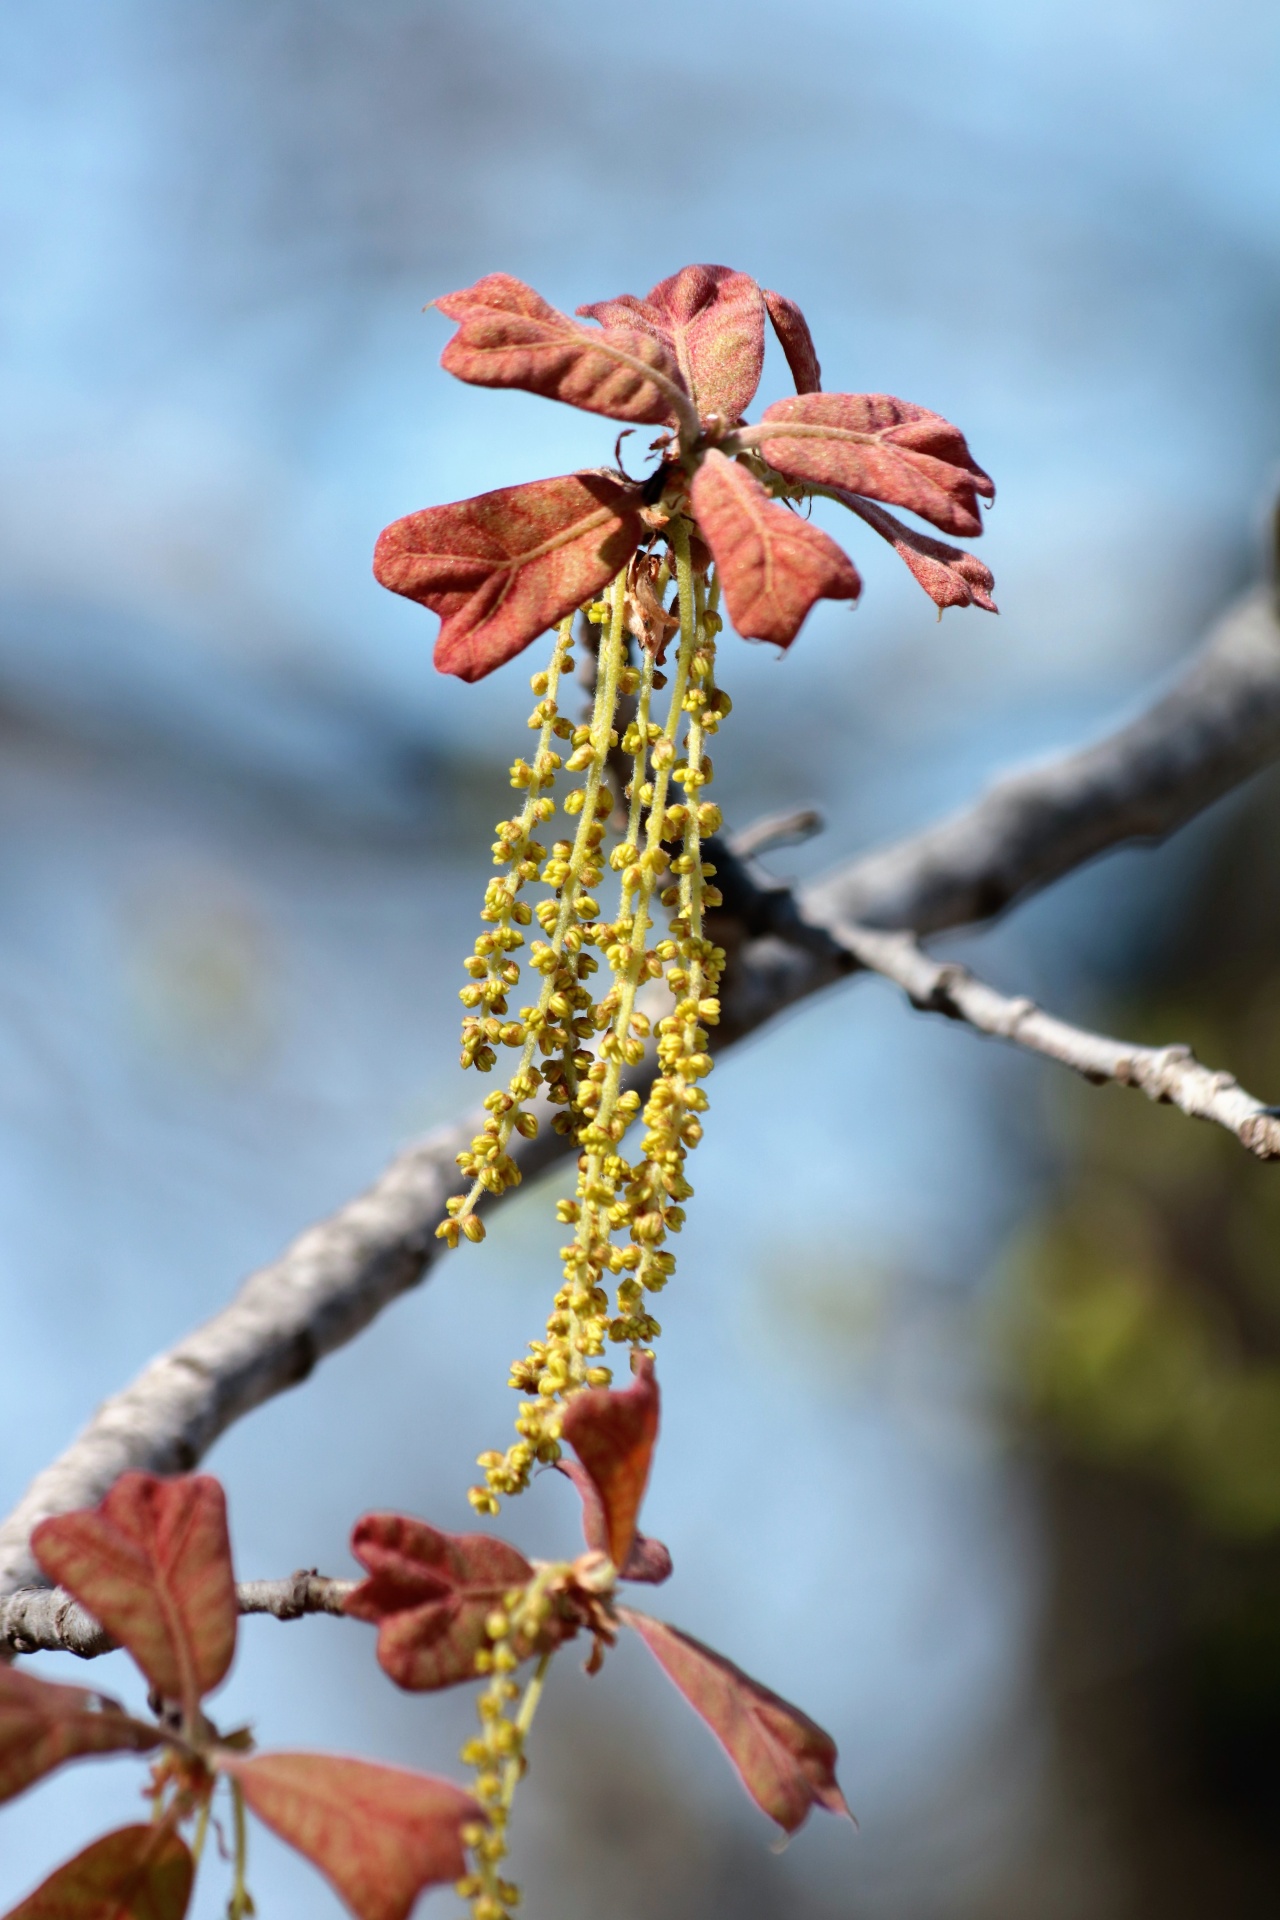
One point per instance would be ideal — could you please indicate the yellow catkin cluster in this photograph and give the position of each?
(492, 968)
(654, 1199)
(558, 1024)
(497, 1752)
(622, 1214)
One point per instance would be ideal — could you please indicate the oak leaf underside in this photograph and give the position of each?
(795, 340)
(773, 565)
(508, 336)
(153, 1563)
(43, 1724)
(711, 319)
(784, 1759)
(378, 1834)
(613, 1435)
(648, 1562)
(504, 566)
(951, 576)
(887, 449)
(136, 1873)
(429, 1594)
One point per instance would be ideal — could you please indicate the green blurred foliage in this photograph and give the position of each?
(1145, 1304)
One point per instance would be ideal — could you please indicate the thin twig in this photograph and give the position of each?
(1169, 1074)
(47, 1620)
(772, 830)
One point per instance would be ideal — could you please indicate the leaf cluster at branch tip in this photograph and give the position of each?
(153, 1562)
(503, 567)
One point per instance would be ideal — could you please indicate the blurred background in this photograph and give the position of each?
(1007, 1349)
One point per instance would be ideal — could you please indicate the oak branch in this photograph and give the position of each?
(1217, 724)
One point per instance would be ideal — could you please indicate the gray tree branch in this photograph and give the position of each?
(47, 1620)
(1169, 1074)
(1216, 726)
(1218, 723)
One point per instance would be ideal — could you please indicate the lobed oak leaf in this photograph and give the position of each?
(613, 1434)
(429, 1594)
(43, 1724)
(795, 340)
(153, 1563)
(949, 575)
(508, 336)
(378, 1834)
(135, 1873)
(503, 567)
(870, 443)
(773, 565)
(785, 1760)
(711, 319)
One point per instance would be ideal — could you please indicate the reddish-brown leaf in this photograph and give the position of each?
(950, 576)
(42, 1724)
(712, 320)
(508, 336)
(136, 1873)
(503, 567)
(378, 1834)
(773, 565)
(613, 1434)
(153, 1563)
(786, 1762)
(796, 341)
(429, 1594)
(871, 443)
(648, 1561)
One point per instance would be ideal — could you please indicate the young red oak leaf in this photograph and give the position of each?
(136, 1873)
(773, 565)
(613, 1434)
(796, 341)
(429, 1594)
(712, 320)
(648, 1560)
(786, 1762)
(949, 575)
(153, 1563)
(872, 444)
(378, 1834)
(508, 336)
(503, 567)
(42, 1724)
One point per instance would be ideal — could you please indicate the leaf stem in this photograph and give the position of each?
(202, 1828)
(240, 1905)
(743, 437)
(523, 1722)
